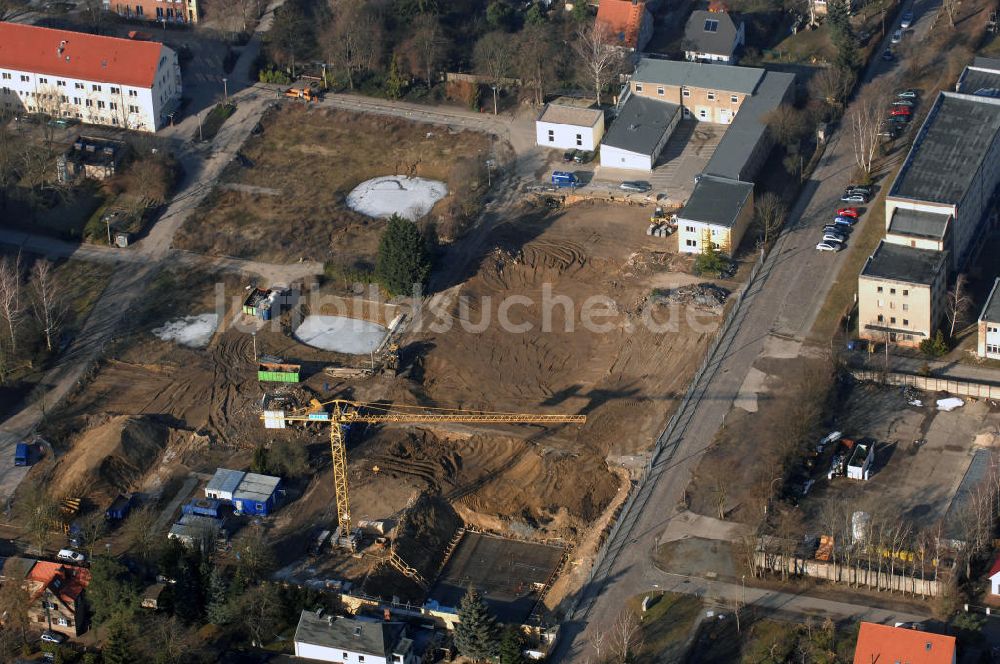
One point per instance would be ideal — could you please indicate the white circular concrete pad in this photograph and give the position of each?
(191, 331)
(410, 198)
(340, 334)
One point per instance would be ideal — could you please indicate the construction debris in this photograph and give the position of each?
(703, 296)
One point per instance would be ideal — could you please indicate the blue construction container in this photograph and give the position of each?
(204, 507)
(120, 508)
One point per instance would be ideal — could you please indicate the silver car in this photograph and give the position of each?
(828, 246)
(833, 237)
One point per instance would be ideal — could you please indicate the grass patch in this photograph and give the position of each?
(666, 626)
(217, 117)
(305, 162)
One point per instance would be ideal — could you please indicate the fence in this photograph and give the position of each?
(641, 485)
(931, 383)
(858, 576)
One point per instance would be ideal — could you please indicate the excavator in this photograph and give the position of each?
(340, 413)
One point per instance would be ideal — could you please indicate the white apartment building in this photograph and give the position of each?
(95, 79)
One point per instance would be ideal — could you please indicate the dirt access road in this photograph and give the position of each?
(126, 287)
(780, 305)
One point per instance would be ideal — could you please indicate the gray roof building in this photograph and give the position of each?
(918, 224)
(724, 78)
(256, 487)
(733, 157)
(224, 482)
(950, 149)
(376, 638)
(572, 115)
(897, 262)
(641, 124)
(191, 528)
(717, 201)
(991, 310)
(710, 32)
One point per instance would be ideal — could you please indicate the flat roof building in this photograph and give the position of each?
(256, 494)
(900, 294)
(982, 77)
(223, 484)
(570, 124)
(352, 641)
(639, 133)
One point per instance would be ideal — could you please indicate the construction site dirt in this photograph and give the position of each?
(555, 484)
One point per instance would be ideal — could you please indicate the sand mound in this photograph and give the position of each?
(110, 457)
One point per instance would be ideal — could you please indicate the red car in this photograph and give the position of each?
(900, 110)
(848, 212)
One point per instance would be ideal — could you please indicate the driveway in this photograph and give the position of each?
(778, 311)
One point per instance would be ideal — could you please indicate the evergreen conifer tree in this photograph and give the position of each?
(477, 635)
(218, 598)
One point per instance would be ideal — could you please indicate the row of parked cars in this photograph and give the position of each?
(835, 234)
(577, 156)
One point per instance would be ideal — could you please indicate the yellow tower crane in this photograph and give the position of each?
(340, 413)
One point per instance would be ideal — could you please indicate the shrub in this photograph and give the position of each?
(272, 75)
(402, 257)
(710, 261)
(935, 347)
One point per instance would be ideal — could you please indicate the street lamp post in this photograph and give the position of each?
(225, 90)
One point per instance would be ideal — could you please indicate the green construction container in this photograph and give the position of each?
(278, 376)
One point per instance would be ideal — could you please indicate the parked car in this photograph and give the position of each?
(833, 237)
(844, 221)
(909, 103)
(568, 156)
(887, 55)
(583, 156)
(828, 246)
(862, 188)
(635, 185)
(897, 37)
(565, 179)
(52, 637)
(22, 454)
(907, 94)
(849, 197)
(906, 20)
(847, 212)
(843, 229)
(900, 121)
(900, 110)
(71, 556)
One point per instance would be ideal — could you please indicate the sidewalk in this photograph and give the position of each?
(917, 365)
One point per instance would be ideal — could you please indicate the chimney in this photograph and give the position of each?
(62, 47)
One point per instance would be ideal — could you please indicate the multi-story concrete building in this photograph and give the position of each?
(901, 294)
(989, 325)
(719, 211)
(944, 190)
(95, 79)
(161, 11)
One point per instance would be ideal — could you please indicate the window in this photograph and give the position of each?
(6, 76)
(114, 106)
(892, 320)
(638, 87)
(133, 109)
(691, 243)
(711, 96)
(61, 84)
(990, 348)
(711, 25)
(881, 303)
(685, 92)
(579, 140)
(100, 104)
(878, 289)
(660, 91)
(702, 113)
(361, 658)
(78, 86)
(881, 318)
(345, 656)
(43, 80)
(906, 323)
(90, 103)
(260, 507)
(133, 93)
(24, 78)
(734, 99)
(62, 622)
(892, 291)
(76, 100)
(905, 292)
(115, 90)
(689, 229)
(906, 307)
(552, 134)
(63, 98)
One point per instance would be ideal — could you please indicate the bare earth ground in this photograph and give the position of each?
(305, 162)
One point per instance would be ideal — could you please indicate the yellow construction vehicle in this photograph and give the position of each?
(341, 413)
(306, 94)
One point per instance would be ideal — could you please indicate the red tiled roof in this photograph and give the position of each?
(623, 18)
(996, 566)
(83, 56)
(67, 581)
(883, 644)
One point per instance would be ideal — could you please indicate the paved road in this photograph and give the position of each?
(780, 305)
(109, 316)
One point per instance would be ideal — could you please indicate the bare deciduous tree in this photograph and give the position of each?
(625, 636)
(46, 300)
(92, 528)
(353, 41)
(39, 512)
(787, 125)
(600, 60)
(424, 51)
(494, 57)
(11, 301)
(536, 59)
(138, 532)
(831, 84)
(865, 124)
(959, 305)
(261, 611)
(770, 212)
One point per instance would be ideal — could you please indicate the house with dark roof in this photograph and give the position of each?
(570, 124)
(628, 23)
(982, 77)
(125, 83)
(352, 640)
(713, 36)
(719, 211)
(639, 133)
(989, 325)
(886, 644)
(901, 293)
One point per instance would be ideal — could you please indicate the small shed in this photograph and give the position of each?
(204, 507)
(994, 577)
(860, 463)
(120, 508)
(193, 530)
(223, 484)
(262, 303)
(257, 494)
